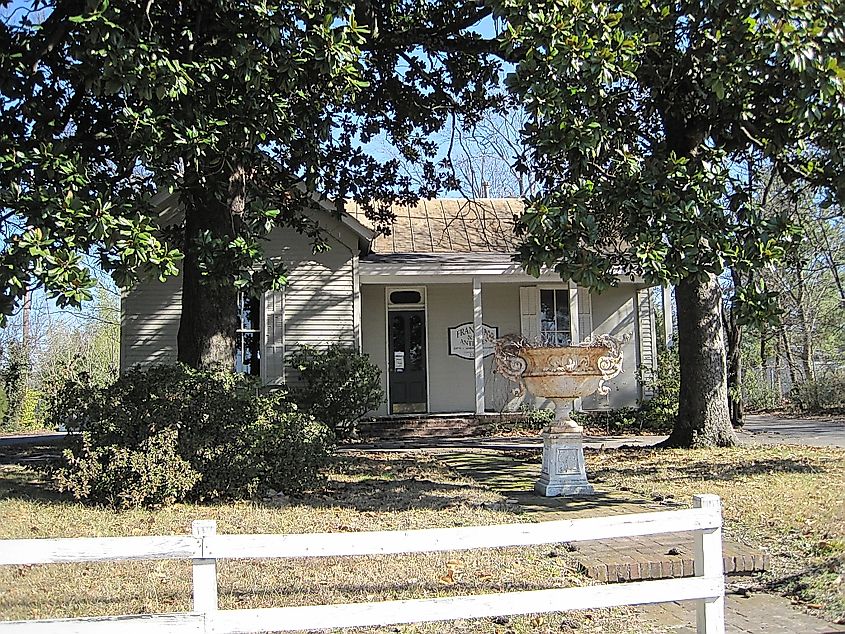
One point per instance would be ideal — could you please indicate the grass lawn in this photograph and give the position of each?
(786, 500)
(366, 491)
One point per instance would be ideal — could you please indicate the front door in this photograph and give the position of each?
(406, 333)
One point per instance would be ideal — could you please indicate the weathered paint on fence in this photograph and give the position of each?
(205, 548)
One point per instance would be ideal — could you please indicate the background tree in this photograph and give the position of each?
(246, 110)
(638, 113)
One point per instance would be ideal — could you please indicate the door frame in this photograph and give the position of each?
(387, 310)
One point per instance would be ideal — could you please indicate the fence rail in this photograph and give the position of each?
(205, 547)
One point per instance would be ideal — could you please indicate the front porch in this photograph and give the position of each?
(430, 321)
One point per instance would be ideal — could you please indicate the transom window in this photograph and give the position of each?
(248, 335)
(554, 317)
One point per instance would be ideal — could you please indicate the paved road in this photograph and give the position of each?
(767, 429)
(760, 429)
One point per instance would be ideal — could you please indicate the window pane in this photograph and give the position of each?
(405, 297)
(547, 311)
(397, 328)
(249, 312)
(562, 311)
(416, 353)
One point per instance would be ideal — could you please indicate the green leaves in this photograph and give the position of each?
(644, 116)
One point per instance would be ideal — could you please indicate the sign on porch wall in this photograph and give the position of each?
(462, 340)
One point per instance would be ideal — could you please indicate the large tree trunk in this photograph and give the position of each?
(209, 303)
(703, 417)
(734, 341)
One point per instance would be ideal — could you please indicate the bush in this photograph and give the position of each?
(616, 421)
(338, 386)
(658, 413)
(4, 405)
(757, 395)
(655, 415)
(171, 433)
(150, 474)
(823, 393)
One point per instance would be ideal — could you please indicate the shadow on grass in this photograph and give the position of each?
(514, 476)
(712, 470)
(23, 483)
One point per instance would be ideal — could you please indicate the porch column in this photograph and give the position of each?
(477, 321)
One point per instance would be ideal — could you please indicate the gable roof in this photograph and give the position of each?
(448, 225)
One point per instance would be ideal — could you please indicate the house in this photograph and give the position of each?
(412, 301)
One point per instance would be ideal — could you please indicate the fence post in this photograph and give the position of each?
(710, 613)
(204, 572)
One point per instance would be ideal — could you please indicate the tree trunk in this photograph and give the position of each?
(209, 303)
(734, 340)
(703, 417)
(806, 328)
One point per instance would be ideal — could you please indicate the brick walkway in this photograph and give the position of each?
(630, 558)
(744, 614)
(641, 557)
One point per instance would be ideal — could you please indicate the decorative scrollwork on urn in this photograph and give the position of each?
(610, 364)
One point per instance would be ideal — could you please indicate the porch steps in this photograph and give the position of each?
(395, 428)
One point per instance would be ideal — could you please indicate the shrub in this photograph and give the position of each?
(756, 393)
(615, 421)
(171, 433)
(338, 386)
(660, 411)
(656, 414)
(825, 392)
(150, 474)
(534, 418)
(4, 405)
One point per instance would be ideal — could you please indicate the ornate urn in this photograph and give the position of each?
(561, 374)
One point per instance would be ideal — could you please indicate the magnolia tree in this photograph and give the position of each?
(246, 111)
(638, 113)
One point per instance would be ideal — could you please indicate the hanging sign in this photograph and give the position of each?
(462, 340)
(399, 361)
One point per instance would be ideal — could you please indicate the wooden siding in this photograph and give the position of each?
(150, 323)
(318, 305)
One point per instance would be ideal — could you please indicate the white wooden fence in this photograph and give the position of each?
(205, 547)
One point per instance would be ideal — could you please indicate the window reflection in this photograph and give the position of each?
(248, 336)
(554, 317)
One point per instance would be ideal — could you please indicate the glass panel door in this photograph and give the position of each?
(406, 336)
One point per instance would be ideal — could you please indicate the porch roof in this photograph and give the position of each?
(448, 225)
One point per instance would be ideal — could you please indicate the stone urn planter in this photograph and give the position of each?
(561, 374)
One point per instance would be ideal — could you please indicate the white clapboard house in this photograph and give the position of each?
(411, 301)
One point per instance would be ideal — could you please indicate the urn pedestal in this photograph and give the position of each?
(561, 374)
(563, 471)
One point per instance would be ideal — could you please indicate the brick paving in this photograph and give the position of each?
(744, 614)
(624, 559)
(645, 557)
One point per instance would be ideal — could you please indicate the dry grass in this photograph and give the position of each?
(365, 492)
(786, 500)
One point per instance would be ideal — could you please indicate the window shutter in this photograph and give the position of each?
(646, 338)
(585, 313)
(274, 338)
(529, 321)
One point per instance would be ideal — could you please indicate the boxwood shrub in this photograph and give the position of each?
(171, 433)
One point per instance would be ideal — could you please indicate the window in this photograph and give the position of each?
(554, 317)
(248, 335)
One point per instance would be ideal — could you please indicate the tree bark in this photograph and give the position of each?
(703, 416)
(806, 328)
(734, 358)
(209, 303)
